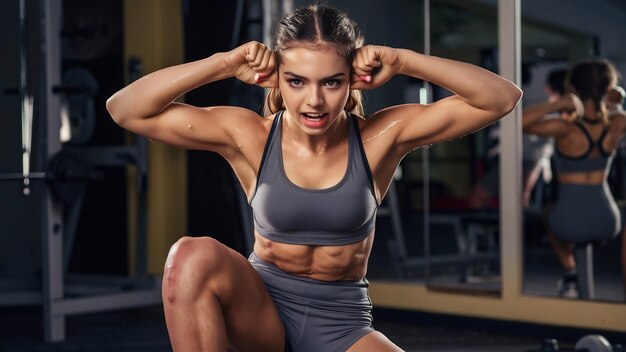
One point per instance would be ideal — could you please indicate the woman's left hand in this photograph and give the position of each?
(373, 66)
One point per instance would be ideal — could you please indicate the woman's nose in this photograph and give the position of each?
(315, 98)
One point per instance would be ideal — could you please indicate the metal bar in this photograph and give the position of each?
(108, 302)
(26, 100)
(52, 242)
(509, 38)
(425, 163)
(20, 176)
(72, 216)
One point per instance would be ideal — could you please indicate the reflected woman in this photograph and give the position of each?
(586, 139)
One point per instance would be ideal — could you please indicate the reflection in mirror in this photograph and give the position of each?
(462, 250)
(463, 174)
(429, 227)
(573, 190)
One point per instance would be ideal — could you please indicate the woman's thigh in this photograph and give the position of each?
(374, 341)
(202, 268)
(250, 314)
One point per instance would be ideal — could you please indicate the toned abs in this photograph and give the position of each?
(326, 263)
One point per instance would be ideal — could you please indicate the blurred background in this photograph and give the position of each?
(89, 211)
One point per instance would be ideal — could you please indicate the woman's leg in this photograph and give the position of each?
(374, 341)
(564, 252)
(213, 298)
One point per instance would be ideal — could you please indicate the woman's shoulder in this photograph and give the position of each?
(247, 123)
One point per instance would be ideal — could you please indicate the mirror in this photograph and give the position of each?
(462, 240)
(555, 35)
(439, 223)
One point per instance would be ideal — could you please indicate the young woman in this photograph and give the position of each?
(314, 171)
(585, 141)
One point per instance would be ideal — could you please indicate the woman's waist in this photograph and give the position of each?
(597, 177)
(326, 263)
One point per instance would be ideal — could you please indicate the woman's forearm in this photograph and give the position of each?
(152, 93)
(535, 113)
(477, 86)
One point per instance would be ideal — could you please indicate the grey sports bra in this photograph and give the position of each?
(285, 212)
(585, 163)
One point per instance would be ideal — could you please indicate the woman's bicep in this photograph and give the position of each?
(192, 127)
(444, 120)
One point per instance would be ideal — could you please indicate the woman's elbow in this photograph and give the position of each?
(509, 99)
(113, 107)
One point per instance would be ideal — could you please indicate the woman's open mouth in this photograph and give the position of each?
(314, 120)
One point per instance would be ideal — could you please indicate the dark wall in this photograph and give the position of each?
(212, 196)
(92, 43)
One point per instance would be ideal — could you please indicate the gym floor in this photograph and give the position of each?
(144, 329)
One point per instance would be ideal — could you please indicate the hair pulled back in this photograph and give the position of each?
(592, 79)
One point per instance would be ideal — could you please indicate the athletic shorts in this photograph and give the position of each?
(317, 315)
(585, 213)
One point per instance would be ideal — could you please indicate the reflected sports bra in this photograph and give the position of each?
(584, 163)
(342, 214)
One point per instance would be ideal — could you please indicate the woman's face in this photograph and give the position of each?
(315, 85)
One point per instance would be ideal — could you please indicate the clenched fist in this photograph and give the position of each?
(374, 65)
(253, 63)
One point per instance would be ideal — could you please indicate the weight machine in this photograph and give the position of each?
(67, 171)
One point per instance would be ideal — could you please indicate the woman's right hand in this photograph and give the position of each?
(571, 107)
(253, 63)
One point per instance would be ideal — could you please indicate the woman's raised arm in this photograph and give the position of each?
(147, 105)
(480, 97)
(568, 107)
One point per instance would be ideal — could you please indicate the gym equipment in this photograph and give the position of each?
(550, 345)
(67, 169)
(80, 86)
(68, 174)
(588, 343)
(594, 343)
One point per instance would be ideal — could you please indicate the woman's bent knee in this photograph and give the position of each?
(191, 263)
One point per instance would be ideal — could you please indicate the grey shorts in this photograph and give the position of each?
(585, 213)
(317, 315)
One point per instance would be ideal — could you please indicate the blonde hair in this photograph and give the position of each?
(316, 24)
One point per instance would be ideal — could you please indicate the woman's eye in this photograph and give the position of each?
(295, 82)
(332, 83)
